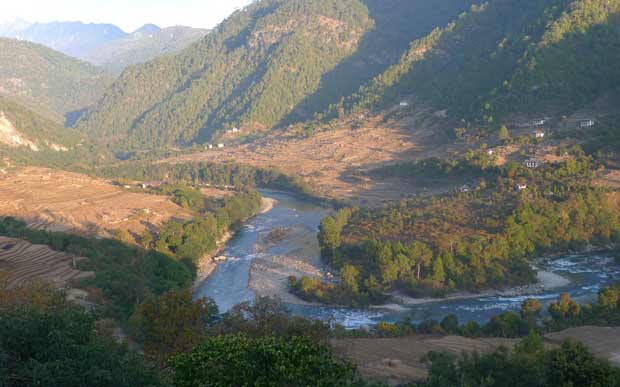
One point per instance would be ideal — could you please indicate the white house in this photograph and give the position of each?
(539, 134)
(539, 122)
(532, 163)
(587, 123)
(490, 152)
(522, 187)
(404, 104)
(210, 146)
(465, 189)
(235, 130)
(220, 145)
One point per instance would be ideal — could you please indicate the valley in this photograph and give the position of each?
(335, 161)
(321, 192)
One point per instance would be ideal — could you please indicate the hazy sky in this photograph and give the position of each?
(127, 14)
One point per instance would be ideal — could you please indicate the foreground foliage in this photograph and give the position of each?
(243, 361)
(124, 274)
(529, 364)
(50, 343)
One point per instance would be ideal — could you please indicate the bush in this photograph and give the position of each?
(265, 361)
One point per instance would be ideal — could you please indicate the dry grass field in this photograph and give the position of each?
(397, 361)
(24, 262)
(604, 342)
(337, 160)
(62, 201)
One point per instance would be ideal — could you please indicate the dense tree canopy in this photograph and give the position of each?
(463, 240)
(243, 361)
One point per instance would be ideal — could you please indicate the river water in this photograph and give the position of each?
(228, 285)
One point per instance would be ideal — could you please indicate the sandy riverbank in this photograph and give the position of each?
(267, 205)
(546, 281)
(269, 274)
(269, 277)
(206, 265)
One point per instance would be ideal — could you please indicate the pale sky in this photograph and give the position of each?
(127, 14)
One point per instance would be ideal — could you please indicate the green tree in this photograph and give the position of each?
(530, 311)
(564, 308)
(146, 238)
(450, 324)
(351, 277)
(172, 323)
(329, 237)
(265, 361)
(504, 135)
(61, 347)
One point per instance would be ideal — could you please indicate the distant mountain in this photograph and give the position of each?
(105, 45)
(273, 62)
(147, 30)
(28, 138)
(45, 80)
(76, 39)
(142, 45)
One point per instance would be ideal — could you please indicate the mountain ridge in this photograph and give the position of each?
(258, 66)
(98, 43)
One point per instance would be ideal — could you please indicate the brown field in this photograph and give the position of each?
(24, 262)
(70, 202)
(604, 342)
(336, 160)
(399, 361)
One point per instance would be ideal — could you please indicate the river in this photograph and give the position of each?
(228, 285)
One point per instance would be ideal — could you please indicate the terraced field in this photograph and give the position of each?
(25, 262)
(62, 201)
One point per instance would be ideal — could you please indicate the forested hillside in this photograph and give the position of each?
(47, 81)
(28, 138)
(465, 240)
(508, 57)
(273, 62)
